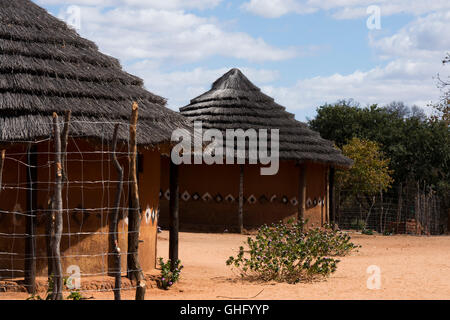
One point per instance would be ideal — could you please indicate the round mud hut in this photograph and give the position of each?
(47, 68)
(233, 197)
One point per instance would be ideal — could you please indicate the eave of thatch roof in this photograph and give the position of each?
(235, 103)
(46, 67)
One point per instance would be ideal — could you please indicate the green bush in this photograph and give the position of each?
(168, 277)
(290, 253)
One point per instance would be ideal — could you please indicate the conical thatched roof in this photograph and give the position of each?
(236, 103)
(45, 66)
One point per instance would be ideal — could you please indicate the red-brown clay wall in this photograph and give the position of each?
(275, 197)
(88, 245)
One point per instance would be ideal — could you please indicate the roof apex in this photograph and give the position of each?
(235, 80)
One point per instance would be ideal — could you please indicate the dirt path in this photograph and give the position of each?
(411, 268)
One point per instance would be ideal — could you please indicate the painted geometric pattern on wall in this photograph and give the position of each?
(251, 200)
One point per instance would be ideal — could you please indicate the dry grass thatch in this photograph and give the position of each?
(236, 103)
(45, 66)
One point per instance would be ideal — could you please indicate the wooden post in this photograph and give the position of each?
(331, 198)
(174, 220)
(114, 220)
(2, 162)
(64, 142)
(302, 192)
(241, 200)
(58, 225)
(134, 216)
(30, 241)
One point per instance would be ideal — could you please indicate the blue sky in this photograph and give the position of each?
(304, 53)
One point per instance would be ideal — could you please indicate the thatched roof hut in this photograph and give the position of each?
(235, 103)
(234, 197)
(45, 66)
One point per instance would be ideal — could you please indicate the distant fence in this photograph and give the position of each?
(64, 207)
(410, 210)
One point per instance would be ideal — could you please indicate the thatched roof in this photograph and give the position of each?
(45, 66)
(236, 103)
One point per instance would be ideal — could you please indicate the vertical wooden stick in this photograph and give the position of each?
(114, 220)
(64, 141)
(58, 226)
(241, 200)
(302, 191)
(331, 197)
(134, 217)
(174, 221)
(30, 241)
(2, 162)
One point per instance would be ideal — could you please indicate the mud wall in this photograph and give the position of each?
(88, 200)
(209, 196)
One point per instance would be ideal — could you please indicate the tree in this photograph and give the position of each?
(369, 175)
(418, 147)
(370, 172)
(443, 108)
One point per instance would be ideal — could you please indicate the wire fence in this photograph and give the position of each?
(64, 212)
(413, 210)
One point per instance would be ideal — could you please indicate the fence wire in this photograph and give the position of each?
(27, 185)
(414, 209)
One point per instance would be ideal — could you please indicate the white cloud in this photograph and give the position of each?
(413, 58)
(146, 33)
(276, 8)
(342, 9)
(148, 4)
(182, 86)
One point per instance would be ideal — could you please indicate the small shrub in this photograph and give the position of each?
(74, 294)
(168, 277)
(368, 232)
(289, 253)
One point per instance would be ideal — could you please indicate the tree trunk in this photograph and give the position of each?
(30, 243)
(174, 219)
(58, 207)
(2, 162)
(134, 216)
(114, 220)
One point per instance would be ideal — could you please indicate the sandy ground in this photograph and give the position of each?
(411, 268)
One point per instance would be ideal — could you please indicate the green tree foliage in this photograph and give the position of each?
(418, 147)
(443, 108)
(370, 172)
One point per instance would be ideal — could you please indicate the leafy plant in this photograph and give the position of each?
(289, 253)
(169, 275)
(368, 232)
(74, 294)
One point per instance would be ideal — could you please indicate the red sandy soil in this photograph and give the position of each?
(411, 268)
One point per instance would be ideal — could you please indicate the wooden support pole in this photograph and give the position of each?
(58, 207)
(30, 241)
(2, 162)
(114, 220)
(174, 220)
(331, 197)
(64, 142)
(241, 200)
(134, 216)
(302, 192)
